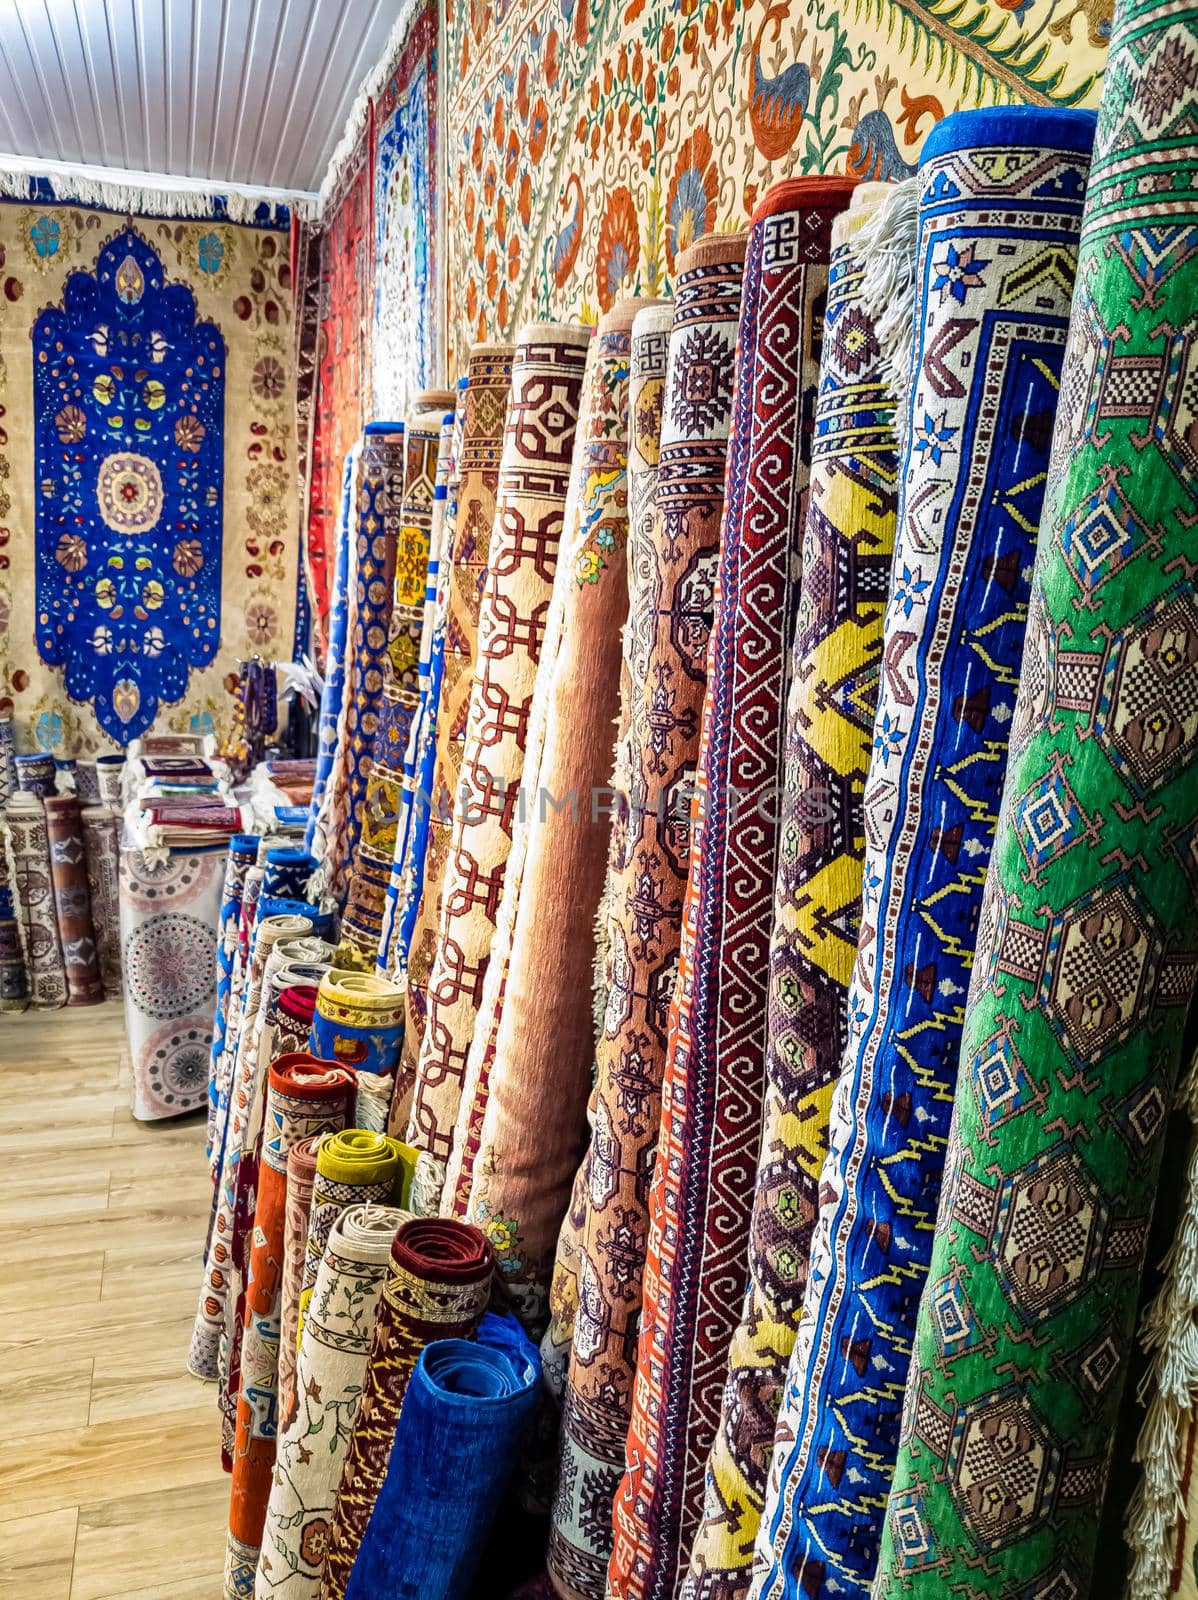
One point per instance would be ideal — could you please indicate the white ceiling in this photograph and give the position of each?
(238, 91)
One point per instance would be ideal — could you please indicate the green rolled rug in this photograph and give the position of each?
(1088, 941)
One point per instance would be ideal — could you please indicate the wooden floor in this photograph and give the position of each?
(110, 1479)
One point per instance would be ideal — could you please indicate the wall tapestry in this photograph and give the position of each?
(406, 353)
(342, 376)
(147, 469)
(587, 145)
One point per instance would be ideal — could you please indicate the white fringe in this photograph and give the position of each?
(145, 193)
(1170, 1330)
(360, 110)
(887, 244)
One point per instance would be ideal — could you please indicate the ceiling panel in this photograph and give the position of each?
(234, 91)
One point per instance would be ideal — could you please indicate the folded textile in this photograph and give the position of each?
(219, 1287)
(33, 900)
(370, 869)
(521, 1128)
(406, 881)
(305, 1098)
(333, 694)
(168, 912)
(847, 541)
(437, 1287)
(329, 1377)
(465, 1413)
(377, 522)
(354, 1168)
(72, 900)
(529, 515)
(489, 384)
(101, 826)
(358, 1021)
(1087, 944)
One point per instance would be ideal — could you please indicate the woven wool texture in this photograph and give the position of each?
(361, 926)
(72, 900)
(304, 1098)
(217, 1296)
(358, 1021)
(14, 989)
(301, 1177)
(953, 638)
(168, 912)
(101, 827)
(527, 1117)
(714, 1074)
(406, 878)
(1086, 952)
(328, 1386)
(333, 694)
(25, 820)
(681, 552)
(243, 852)
(489, 378)
(378, 512)
(437, 1287)
(530, 508)
(354, 1168)
(847, 539)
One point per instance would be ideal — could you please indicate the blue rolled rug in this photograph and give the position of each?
(288, 906)
(288, 872)
(464, 1415)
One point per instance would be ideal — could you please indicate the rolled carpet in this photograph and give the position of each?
(333, 694)
(305, 1097)
(489, 378)
(284, 906)
(376, 520)
(35, 774)
(87, 782)
(355, 1168)
(14, 988)
(33, 896)
(711, 1094)
(529, 516)
(676, 470)
(370, 869)
(406, 881)
(102, 848)
(288, 872)
(72, 900)
(8, 763)
(847, 519)
(301, 1178)
(329, 1376)
(1087, 942)
(521, 1127)
(437, 1287)
(218, 1293)
(374, 1101)
(168, 912)
(358, 1021)
(297, 1007)
(464, 1417)
(110, 773)
(953, 641)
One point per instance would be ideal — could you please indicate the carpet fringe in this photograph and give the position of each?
(887, 243)
(1170, 1330)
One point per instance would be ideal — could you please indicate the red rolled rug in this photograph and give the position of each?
(301, 1176)
(305, 1097)
(72, 900)
(438, 1287)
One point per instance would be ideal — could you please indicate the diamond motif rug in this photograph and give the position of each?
(1086, 950)
(999, 216)
(72, 900)
(847, 538)
(489, 378)
(530, 508)
(522, 1133)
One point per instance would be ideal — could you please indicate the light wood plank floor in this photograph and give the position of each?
(110, 1479)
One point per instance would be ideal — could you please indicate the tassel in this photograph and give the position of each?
(888, 242)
